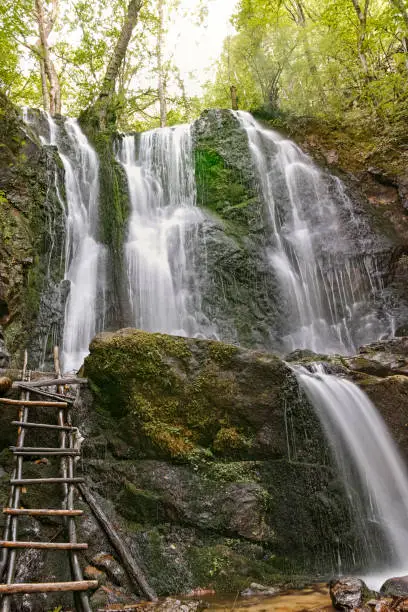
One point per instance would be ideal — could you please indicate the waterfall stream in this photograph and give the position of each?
(162, 280)
(327, 286)
(374, 474)
(84, 255)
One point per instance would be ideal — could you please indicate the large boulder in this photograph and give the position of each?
(347, 593)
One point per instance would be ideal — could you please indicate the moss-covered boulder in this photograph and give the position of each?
(210, 462)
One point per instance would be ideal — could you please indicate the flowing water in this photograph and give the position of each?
(317, 249)
(163, 283)
(84, 256)
(374, 475)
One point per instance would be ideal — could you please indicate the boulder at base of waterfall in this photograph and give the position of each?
(259, 589)
(395, 587)
(347, 593)
(5, 384)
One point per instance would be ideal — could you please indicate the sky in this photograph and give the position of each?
(196, 48)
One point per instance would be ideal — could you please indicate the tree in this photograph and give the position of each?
(160, 68)
(107, 91)
(50, 85)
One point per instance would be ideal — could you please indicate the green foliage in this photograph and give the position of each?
(313, 57)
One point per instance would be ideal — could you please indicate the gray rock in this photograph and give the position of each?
(395, 587)
(347, 593)
(259, 589)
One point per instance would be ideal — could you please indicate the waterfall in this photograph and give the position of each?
(317, 249)
(374, 474)
(163, 283)
(85, 257)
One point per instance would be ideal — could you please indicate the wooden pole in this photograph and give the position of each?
(73, 380)
(48, 587)
(134, 571)
(30, 404)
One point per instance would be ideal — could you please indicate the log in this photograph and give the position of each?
(51, 382)
(29, 481)
(134, 571)
(43, 449)
(43, 545)
(41, 512)
(31, 404)
(55, 396)
(43, 426)
(47, 587)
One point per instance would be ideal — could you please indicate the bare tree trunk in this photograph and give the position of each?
(45, 26)
(160, 70)
(362, 18)
(401, 8)
(44, 85)
(234, 97)
(118, 55)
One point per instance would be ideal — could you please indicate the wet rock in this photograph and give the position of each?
(5, 384)
(395, 587)
(347, 593)
(368, 366)
(172, 605)
(107, 563)
(93, 573)
(4, 354)
(259, 589)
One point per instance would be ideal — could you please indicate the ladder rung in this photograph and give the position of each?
(43, 545)
(48, 587)
(26, 450)
(45, 454)
(30, 481)
(28, 403)
(41, 512)
(43, 426)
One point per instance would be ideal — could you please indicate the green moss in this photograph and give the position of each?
(139, 505)
(229, 439)
(222, 353)
(221, 188)
(142, 378)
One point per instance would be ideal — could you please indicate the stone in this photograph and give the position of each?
(4, 354)
(259, 589)
(107, 563)
(93, 573)
(395, 587)
(347, 593)
(5, 384)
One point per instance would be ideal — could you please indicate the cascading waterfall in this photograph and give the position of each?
(328, 287)
(373, 472)
(84, 255)
(163, 283)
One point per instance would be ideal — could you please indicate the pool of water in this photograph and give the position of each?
(314, 598)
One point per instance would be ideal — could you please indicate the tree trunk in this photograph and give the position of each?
(46, 64)
(44, 85)
(399, 5)
(362, 18)
(160, 70)
(234, 97)
(118, 55)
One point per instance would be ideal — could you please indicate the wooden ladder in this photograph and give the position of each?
(67, 452)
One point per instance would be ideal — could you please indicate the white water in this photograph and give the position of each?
(84, 256)
(373, 472)
(162, 281)
(325, 284)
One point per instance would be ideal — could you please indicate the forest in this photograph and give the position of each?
(341, 61)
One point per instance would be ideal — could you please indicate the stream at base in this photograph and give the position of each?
(315, 597)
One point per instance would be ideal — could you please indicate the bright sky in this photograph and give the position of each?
(197, 47)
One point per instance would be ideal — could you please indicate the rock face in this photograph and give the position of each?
(211, 462)
(31, 239)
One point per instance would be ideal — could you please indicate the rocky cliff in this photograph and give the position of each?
(210, 463)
